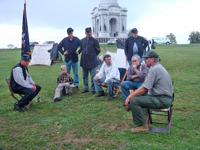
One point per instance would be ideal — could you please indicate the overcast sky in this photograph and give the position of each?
(49, 19)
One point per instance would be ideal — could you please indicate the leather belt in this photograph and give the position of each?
(163, 96)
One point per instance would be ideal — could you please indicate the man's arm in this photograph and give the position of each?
(19, 78)
(81, 48)
(138, 92)
(79, 44)
(144, 71)
(126, 49)
(145, 43)
(60, 45)
(101, 74)
(97, 47)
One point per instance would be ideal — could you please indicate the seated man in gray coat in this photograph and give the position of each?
(136, 75)
(111, 72)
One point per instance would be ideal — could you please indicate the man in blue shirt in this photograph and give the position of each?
(71, 44)
(135, 45)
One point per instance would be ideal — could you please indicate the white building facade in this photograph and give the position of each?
(109, 20)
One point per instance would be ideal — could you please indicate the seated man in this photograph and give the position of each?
(136, 75)
(160, 91)
(22, 83)
(111, 72)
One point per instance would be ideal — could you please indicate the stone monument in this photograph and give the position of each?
(109, 20)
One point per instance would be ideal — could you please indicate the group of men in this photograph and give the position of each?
(154, 86)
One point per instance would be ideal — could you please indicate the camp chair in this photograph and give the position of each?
(162, 112)
(123, 73)
(12, 94)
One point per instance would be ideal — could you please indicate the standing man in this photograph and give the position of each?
(71, 44)
(22, 83)
(135, 45)
(90, 49)
(159, 86)
(136, 75)
(111, 72)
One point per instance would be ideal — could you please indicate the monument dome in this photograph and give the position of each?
(109, 20)
(108, 2)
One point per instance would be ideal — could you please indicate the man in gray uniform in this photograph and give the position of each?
(160, 91)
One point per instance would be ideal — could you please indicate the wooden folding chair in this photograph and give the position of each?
(12, 94)
(162, 112)
(117, 89)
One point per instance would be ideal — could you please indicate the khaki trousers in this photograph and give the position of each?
(60, 88)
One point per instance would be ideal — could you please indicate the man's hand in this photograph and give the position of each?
(134, 67)
(127, 102)
(95, 78)
(77, 52)
(126, 58)
(103, 84)
(34, 87)
(66, 52)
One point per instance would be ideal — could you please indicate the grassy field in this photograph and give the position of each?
(82, 121)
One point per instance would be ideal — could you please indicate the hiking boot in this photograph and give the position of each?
(57, 99)
(143, 129)
(16, 106)
(93, 92)
(77, 88)
(101, 93)
(84, 91)
(66, 95)
(111, 97)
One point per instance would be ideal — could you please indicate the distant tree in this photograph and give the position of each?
(10, 45)
(194, 37)
(172, 38)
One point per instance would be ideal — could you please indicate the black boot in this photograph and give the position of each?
(101, 93)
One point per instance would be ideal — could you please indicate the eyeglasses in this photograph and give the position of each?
(134, 60)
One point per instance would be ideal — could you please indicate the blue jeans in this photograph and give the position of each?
(75, 70)
(85, 72)
(29, 94)
(129, 85)
(111, 83)
(130, 61)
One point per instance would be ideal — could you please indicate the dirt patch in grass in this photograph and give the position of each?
(182, 112)
(115, 126)
(70, 138)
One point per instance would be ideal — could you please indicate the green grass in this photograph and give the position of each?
(82, 121)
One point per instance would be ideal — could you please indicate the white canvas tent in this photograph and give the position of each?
(45, 54)
(119, 58)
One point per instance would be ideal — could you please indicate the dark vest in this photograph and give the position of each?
(15, 86)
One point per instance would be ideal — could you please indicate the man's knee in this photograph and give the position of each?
(38, 87)
(109, 81)
(134, 100)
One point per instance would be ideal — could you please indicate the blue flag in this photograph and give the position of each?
(25, 36)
